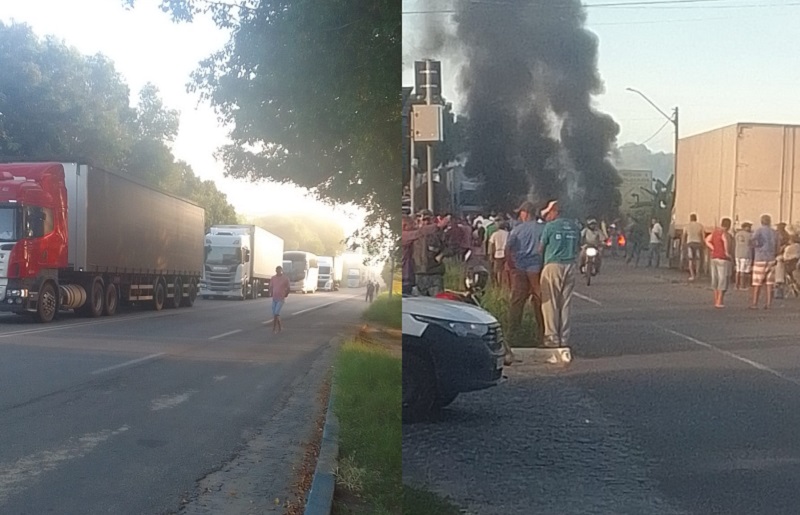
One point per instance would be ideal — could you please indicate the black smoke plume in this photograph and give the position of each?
(529, 75)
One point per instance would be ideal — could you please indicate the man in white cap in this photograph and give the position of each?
(561, 242)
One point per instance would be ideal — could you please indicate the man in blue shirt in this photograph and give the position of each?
(765, 243)
(525, 263)
(561, 241)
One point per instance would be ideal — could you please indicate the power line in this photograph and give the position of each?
(657, 132)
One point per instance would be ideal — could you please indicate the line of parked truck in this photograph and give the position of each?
(76, 237)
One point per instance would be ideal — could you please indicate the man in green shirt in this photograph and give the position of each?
(560, 245)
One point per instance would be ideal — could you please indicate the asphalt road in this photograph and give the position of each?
(200, 409)
(670, 406)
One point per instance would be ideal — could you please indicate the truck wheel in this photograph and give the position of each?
(47, 307)
(419, 387)
(191, 296)
(111, 300)
(159, 295)
(256, 289)
(175, 301)
(93, 307)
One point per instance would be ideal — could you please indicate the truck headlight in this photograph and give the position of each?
(462, 329)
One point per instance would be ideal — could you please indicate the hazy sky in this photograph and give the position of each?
(147, 47)
(719, 61)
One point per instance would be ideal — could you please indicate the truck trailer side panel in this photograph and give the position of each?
(130, 228)
(267, 253)
(741, 171)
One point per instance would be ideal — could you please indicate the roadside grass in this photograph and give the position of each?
(497, 301)
(368, 405)
(421, 502)
(386, 311)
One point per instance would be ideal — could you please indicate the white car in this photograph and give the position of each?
(448, 348)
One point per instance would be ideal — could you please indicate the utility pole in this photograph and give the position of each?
(429, 101)
(413, 171)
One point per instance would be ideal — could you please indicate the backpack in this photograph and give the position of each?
(428, 252)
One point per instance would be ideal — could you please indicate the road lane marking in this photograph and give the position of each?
(220, 378)
(223, 335)
(588, 299)
(128, 363)
(16, 477)
(170, 401)
(58, 327)
(754, 364)
(314, 308)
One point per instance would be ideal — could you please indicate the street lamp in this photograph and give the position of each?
(672, 119)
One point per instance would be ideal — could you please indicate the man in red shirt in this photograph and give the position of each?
(279, 285)
(720, 243)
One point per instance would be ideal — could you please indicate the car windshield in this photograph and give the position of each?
(223, 255)
(9, 217)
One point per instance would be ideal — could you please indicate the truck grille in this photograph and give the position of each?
(222, 281)
(494, 338)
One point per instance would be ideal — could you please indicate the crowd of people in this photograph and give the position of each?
(534, 254)
(765, 258)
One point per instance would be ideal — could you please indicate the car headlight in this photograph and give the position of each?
(462, 329)
(591, 252)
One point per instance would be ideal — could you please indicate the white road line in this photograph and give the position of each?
(170, 401)
(128, 363)
(223, 335)
(733, 355)
(587, 299)
(315, 308)
(18, 476)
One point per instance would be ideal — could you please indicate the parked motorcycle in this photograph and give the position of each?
(476, 283)
(590, 266)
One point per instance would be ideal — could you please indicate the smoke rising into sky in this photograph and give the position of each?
(528, 77)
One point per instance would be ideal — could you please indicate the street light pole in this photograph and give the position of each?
(674, 120)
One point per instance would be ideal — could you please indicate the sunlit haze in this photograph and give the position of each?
(719, 62)
(146, 46)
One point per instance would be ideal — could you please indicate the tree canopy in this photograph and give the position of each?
(305, 232)
(57, 104)
(311, 92)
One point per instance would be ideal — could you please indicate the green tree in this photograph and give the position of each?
(59, 104)
(304, 232)
(310, 91)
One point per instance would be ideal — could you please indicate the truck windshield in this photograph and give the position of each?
(9, 223)
(324, 269)
(223, 255)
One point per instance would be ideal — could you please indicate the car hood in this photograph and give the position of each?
(446, 310)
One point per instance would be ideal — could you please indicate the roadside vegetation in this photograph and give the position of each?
(368, 405)
(385, 310)
(497, 302)
(421, 502)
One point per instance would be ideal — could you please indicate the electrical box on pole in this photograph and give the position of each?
(427, 122)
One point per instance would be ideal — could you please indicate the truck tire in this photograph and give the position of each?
(111, 300)
(191, 294)
(419, 387)
(177, 298)
(256, 289)
(159, 295)
(47, 307)
(93, 307)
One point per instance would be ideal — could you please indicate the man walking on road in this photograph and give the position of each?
(656, 234)
(279, 286)
(720, 244)
(694, 237)
(370, 291)
(560, 246)
(765, 243)
(525, 264)
(744, 255)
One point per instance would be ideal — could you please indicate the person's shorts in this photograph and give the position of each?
(276, 307)
(744, 265)
(694, 251)
(764, 273)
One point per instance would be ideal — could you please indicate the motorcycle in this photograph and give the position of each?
(475, 283)
(590, 267)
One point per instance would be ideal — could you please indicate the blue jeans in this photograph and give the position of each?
(276, 307)
(655, 254)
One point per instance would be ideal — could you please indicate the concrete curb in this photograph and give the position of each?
(320, 496)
